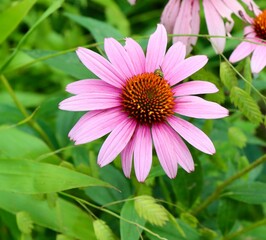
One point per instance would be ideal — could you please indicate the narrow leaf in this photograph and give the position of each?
(253, 192)
(13, 16)
(24, 222)
(98, 29)
(25, 176)
(128, 230)
(65, 217)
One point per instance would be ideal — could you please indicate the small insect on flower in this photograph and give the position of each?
(159, 72)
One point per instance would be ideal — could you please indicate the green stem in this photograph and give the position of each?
(23, 110)
(246, 229)
(215, 195)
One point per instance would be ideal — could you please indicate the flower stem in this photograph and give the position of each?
(23, 110)
(215, 195)
(246, 229)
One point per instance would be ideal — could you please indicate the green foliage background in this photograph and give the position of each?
(51, 189)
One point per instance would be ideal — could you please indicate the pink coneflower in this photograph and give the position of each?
(255, 32)
(182, 17)
(137, 99)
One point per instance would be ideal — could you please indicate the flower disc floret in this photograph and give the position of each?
(148, 98)
(260, 25)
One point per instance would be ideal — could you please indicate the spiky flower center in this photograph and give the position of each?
(148, 98)
(260, 25)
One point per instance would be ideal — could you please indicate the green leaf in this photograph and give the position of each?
(52, 8)
(25, 176)
(227, 75)
(66, 62)
(227, 214)
(187, 187)
(102, 230)
(24, 222)
(18, 144)
(169, 231)
(151, 211)
(65, 217)
(237, 137)
(111, 10)
(128, 230)
(106, 196)
(246, 105)
(27, 99)
(98, 29)
(13, 16)
(253, 192)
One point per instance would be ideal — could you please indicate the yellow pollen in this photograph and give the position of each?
(148, 98)
(260, 25)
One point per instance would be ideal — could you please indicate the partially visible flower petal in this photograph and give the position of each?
(215, 26)
(136, 55)
(183, 23)
(258, 59)
(132, 2)
(91, 101)
(95, 124)
(127, 156)
(163, 143)
(195, 25)
(156, 49)
(192, 134)
(118, 56)
(252, 6)
(90, 86)
(116, 141)
(142, 152)
(100, 67)
(197, 107)
(174, 56)
(194, 87)
(169, 14)
(186, 68)
(234, 6)
(242, 51)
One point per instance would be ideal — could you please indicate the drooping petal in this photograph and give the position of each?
(127, 156)
(96, 124)
(183, 23)
(195, 25)
(242, 51)
(186, 68)
(170, 14)
(174, 56)
(118, 56)
(192, 134)
(90, 86)
(156, 49)
(185, 159)
(194, 87)
(258, 59)
(100, 67)
(116, 141)
(178, 151)
(215, 26)
(252, 6)
(234, 6)
(165, 149)
(197, 107)
(142, 152)
(136, 55)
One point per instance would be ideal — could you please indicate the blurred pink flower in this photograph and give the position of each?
(256, 32)
(137, 99)
(182, 17)
(132, 2)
